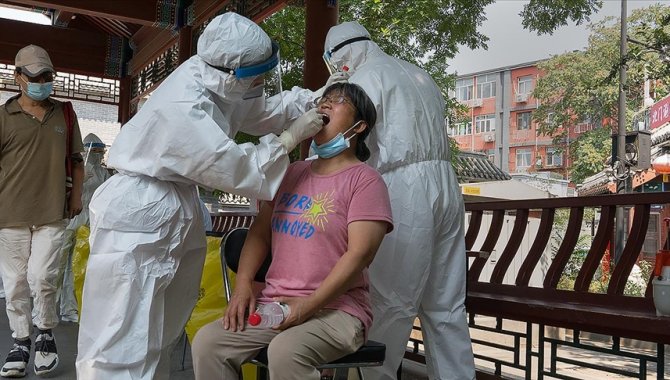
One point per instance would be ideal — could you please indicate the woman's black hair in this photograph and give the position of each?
(365, 110)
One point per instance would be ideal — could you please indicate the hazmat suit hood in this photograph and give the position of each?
(231, 41)
(406, 130)
(184, 132)
(94, 175)
(94, 150)
(349, 45)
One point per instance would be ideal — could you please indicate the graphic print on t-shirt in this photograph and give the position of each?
(300, 215)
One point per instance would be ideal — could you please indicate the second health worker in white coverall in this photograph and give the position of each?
(147, 236)
(95, 175)
(420, 268)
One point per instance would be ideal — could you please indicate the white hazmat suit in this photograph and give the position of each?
(420, 268)
(147, 237)
(95, 175)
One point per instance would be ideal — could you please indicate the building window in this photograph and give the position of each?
(523, 120)
(485, 123)
(486, 86)
(464, 89)
(525, 85)
(554, 157)
(491, 155)
(523, 158)
(461, 129)
(581, 128)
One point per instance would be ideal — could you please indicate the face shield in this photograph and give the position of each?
(94, 152)
(333, 64)
(264, 78)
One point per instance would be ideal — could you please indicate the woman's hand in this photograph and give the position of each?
(243, 302)
(301, 309)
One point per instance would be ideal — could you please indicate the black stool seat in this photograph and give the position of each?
(371, 353)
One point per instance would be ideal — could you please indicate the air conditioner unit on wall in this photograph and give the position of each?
(477, 103)
(489, 138)
(521, 98)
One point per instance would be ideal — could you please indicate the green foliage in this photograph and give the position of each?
(574, 265)
(637, 285)
(651, 45)
(637, 282)
(287, 27)
(589, 154)
(426, 33)
(545, 16)
(579, 87)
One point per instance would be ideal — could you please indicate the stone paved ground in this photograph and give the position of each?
(66, 340)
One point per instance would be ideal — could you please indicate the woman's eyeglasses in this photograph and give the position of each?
(332, 99)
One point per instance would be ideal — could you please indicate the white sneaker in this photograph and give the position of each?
(17, 359)
(46, 355)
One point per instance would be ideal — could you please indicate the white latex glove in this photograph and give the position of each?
(337, 77)
(307, 125)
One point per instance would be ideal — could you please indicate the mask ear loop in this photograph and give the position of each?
(352, 127)
(24, 81)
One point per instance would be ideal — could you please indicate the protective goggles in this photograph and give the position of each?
(328, 54)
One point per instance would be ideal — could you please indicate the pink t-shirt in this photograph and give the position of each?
(310, 218)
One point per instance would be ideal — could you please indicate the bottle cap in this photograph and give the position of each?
(254, 319)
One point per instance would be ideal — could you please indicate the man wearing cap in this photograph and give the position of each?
(33, 207)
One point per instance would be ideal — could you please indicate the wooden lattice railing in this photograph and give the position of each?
(500, 286)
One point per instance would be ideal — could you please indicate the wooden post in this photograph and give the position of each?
(185, 38)
(320, 16)
(124, 99)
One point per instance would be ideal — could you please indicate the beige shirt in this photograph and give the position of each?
(32, 165)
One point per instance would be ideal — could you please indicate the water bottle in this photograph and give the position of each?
(268, 314)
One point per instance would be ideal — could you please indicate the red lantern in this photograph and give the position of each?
(661, 164)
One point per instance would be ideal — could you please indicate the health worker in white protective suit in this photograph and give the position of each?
(95, 175)
(420, 268)
(147, 237)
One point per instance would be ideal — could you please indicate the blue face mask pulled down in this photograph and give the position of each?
(38, 91)
(335, 146)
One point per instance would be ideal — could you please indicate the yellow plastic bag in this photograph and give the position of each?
(79, 261)
(212, 297)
